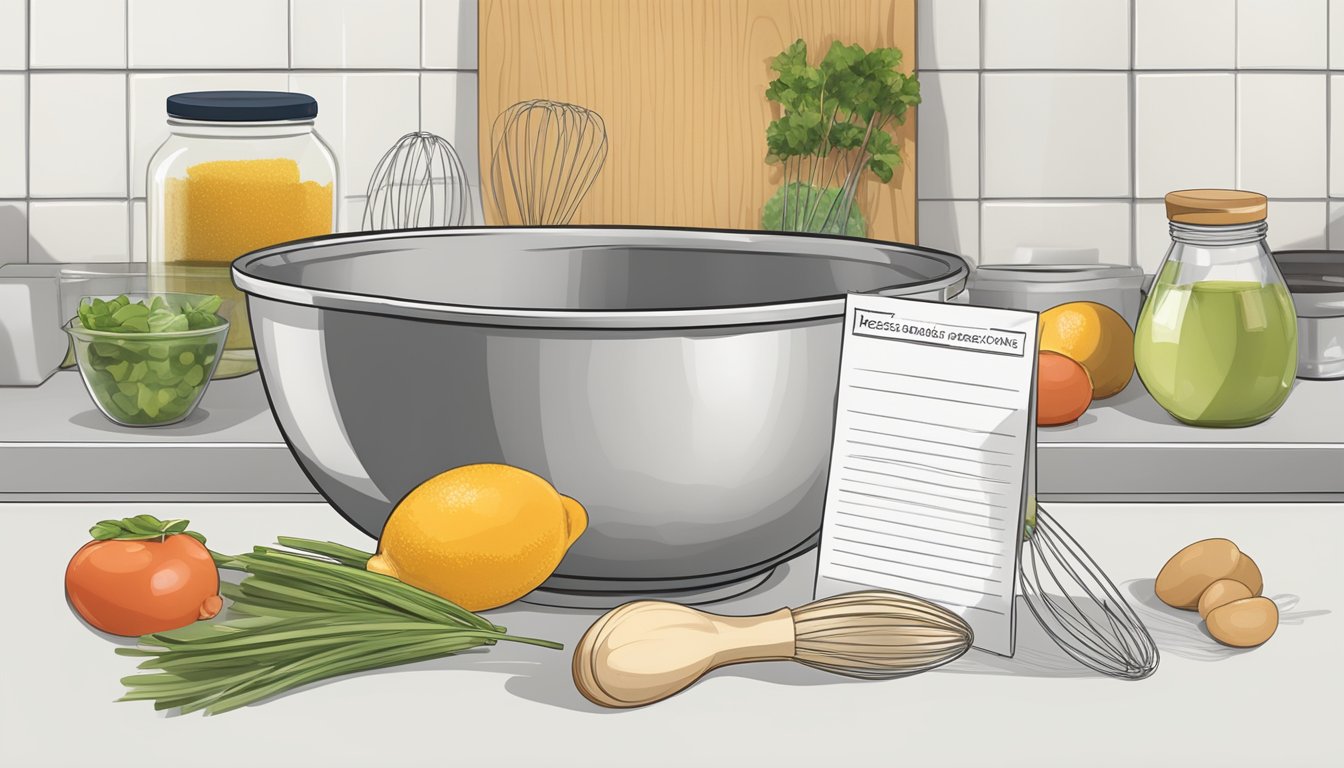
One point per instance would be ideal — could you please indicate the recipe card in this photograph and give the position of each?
(932, 460)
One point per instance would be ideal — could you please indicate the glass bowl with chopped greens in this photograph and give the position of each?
(146, 360)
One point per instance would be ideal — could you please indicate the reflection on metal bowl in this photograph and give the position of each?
(679, 383)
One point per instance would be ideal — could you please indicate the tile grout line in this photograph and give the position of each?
(1133, 95)
(980, 137)
(420, 78)
(1329, 128)
(1236, 97)
(130, 166)
(28, 133)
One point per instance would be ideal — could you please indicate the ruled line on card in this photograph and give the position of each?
(916, 538)
(932, 397)
(908, 564)
(912, 525)
(922, 514)
(920, 581)
(926, 453)
(923, 493)
(925, 505)
(932, 424)
(927, 440)
(925, 553)
(929, 467)
(935, 378)
(923, 482)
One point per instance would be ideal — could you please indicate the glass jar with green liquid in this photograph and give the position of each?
(1216, 342)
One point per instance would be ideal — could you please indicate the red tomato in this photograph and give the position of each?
(134, 588)
(1063, 391)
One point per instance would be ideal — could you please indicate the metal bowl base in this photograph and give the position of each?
(560, 592)
(605, 600)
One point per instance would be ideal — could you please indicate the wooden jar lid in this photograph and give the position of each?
(1216, 206)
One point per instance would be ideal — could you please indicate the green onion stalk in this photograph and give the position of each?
(298, 617)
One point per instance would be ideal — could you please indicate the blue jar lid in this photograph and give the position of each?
(242, 106)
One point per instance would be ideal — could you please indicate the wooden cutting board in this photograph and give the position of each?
(681, 87)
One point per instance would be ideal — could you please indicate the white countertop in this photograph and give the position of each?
(1206, 705)
(57, 446)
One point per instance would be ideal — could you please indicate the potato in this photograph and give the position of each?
(1220, 593)
(1248, 573)
(1189, 572)
(1244, 623)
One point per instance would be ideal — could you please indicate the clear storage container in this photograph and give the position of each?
(1216, 343)
(240, 170)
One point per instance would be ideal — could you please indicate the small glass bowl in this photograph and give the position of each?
(147, 379)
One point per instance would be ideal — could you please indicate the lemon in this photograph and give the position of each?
(481, 536)
(1095, 336)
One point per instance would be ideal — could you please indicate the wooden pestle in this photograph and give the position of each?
(646, 651)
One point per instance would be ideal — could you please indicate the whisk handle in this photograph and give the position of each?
(754, 638)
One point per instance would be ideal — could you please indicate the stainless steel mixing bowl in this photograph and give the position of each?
(679, 383)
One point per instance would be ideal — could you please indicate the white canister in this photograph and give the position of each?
(1038, 287)
(31, 341)
(1316, 281)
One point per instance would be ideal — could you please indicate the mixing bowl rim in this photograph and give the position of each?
(823, 307)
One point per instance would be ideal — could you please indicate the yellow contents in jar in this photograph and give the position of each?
(223, 209)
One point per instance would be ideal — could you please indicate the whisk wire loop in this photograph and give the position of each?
(1054, 568)
(545, 156)
(419, 182)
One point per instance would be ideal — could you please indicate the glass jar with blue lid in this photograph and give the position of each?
(240, 170)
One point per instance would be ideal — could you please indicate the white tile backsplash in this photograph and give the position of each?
(77, 135)
(1152, 234)
(1336, 138)
(139, 227)
(1281, 134)
(1295, 224)
(1335, 228)
(952, 226)
(448, 109)
(1056, 34)
(13, 34)
(70, 34)
(13, 135)
(1336, 33)
(1055, 134)
(449, 34)
(73, 166)
(354, 214)
(949, 135)
(1184, 132)
(1026, 153)
(189, 34)
(1011, 230)
(948, 33)
(77, 231)
(360, 116)
(13, 231)
(149, 94)
(1185, 34)
(355, 34)
(1281, 34)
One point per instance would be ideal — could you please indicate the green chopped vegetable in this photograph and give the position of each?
(144, 375)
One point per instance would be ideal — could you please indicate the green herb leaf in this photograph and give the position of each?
(106, 529)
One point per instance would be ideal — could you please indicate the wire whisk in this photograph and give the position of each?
(1098, 628)
(544, 158)
(419, 182)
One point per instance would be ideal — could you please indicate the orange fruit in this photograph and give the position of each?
(481, 536)
(1063, 389)
(1097, 337)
